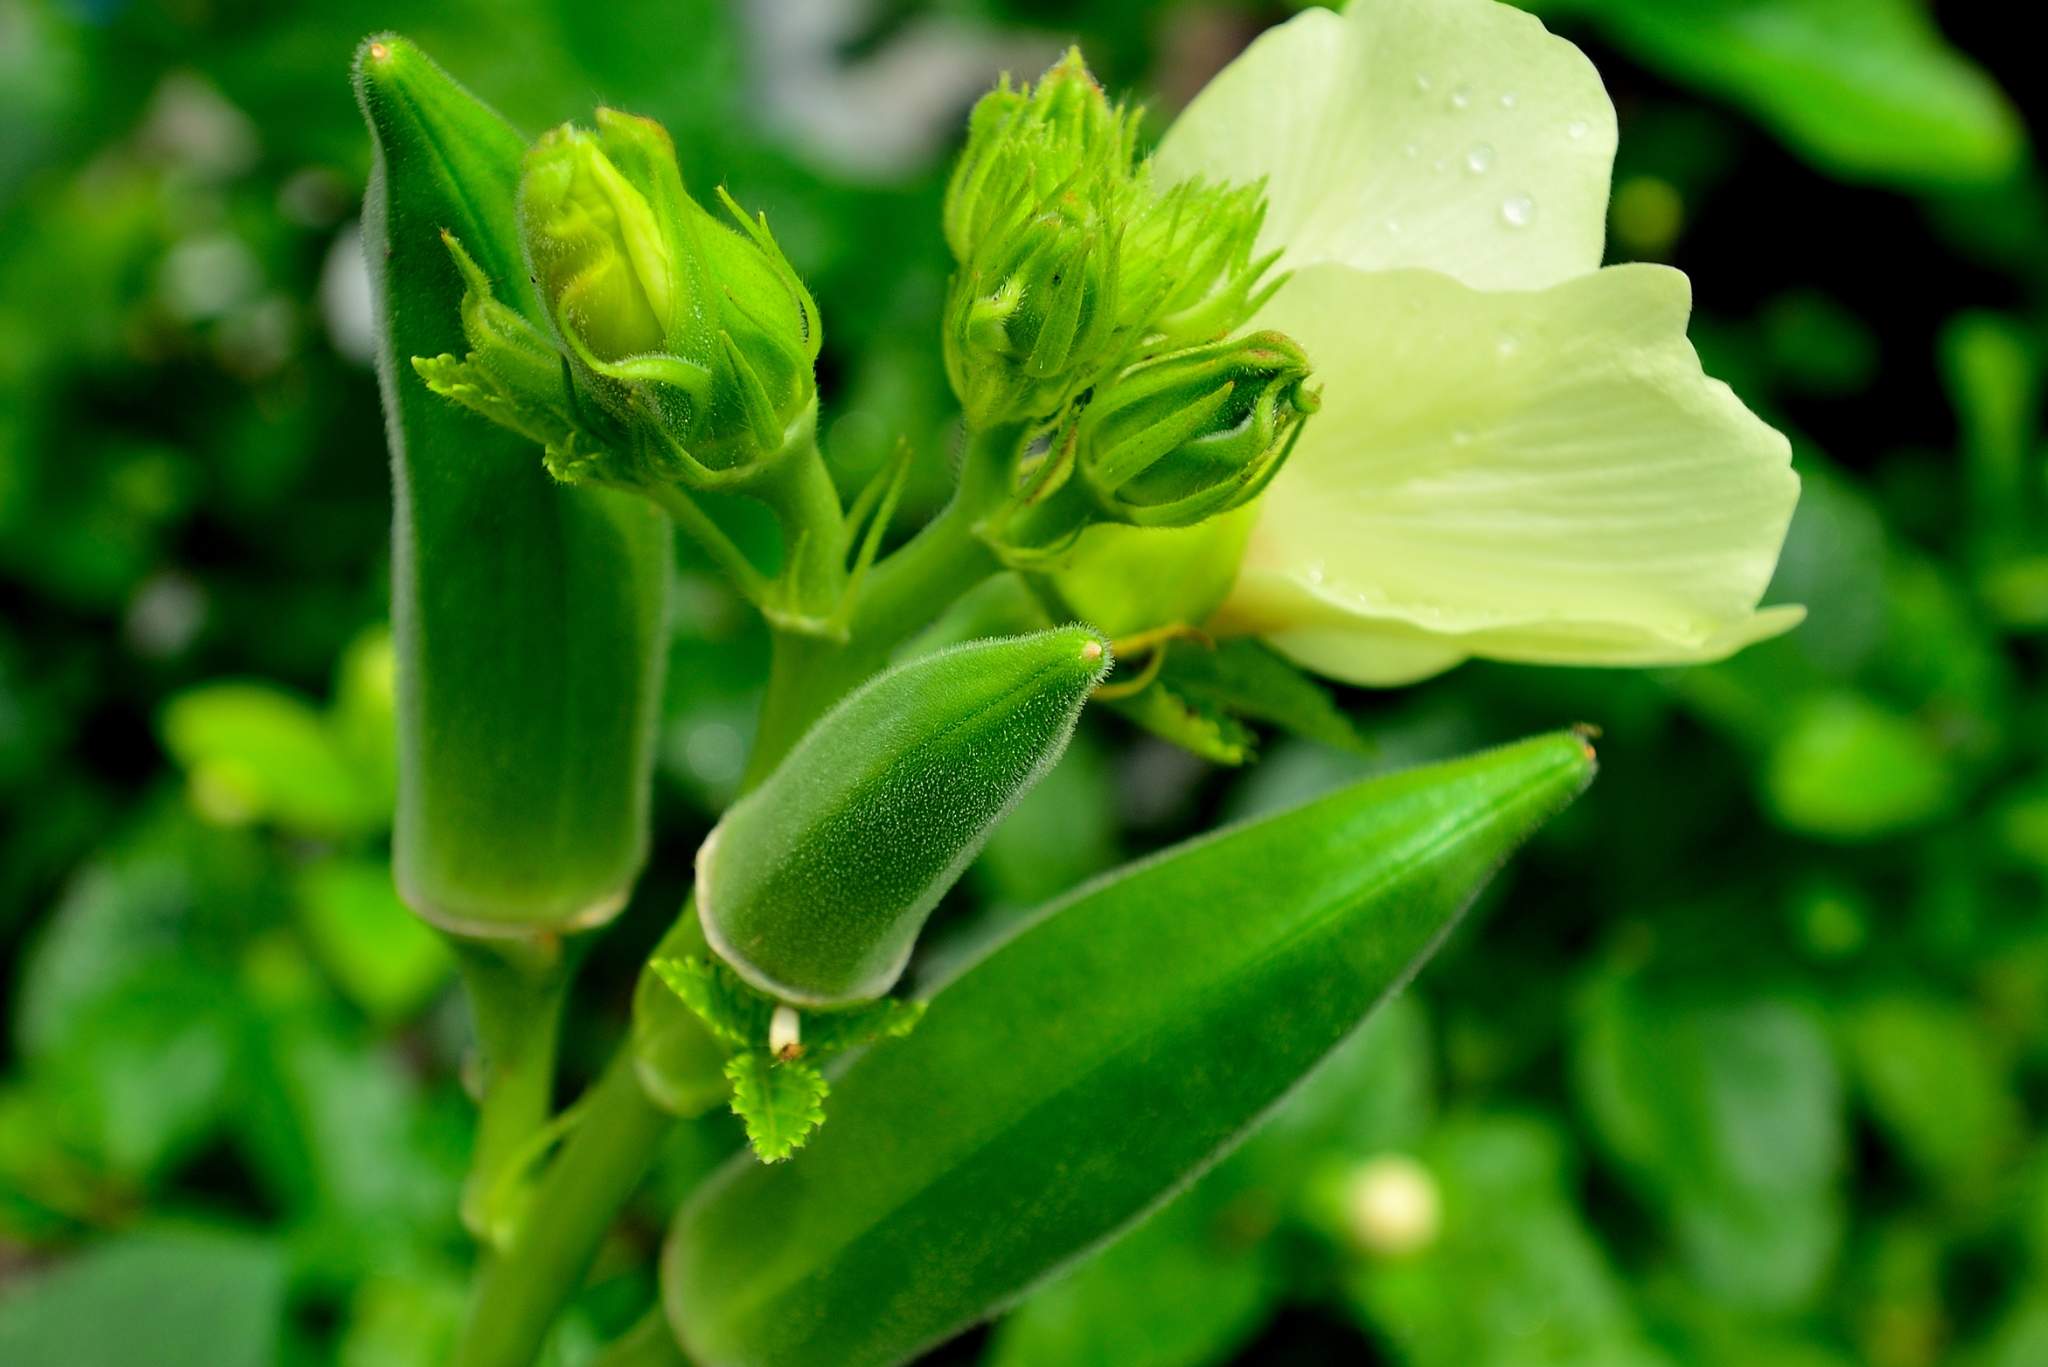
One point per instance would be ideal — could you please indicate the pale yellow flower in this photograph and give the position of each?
(1519, 456)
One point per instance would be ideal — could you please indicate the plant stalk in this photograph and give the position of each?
(520, 1291)
(516, 989)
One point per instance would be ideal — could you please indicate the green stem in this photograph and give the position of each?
(519, 1292)
(905, 593)
(711, 538)
(603, 1161)
(649, 1343)
(515, 989)
(799, 490)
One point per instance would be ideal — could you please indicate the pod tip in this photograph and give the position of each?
(1091, 650)
(1587, 733)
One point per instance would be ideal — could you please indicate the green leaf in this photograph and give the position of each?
(1726, 1117)
(733, 1012)
(1866, 88)
(1200, 728)
(190, 1298)
(781, 1101)
(527, 618)
(1180, 1290)
(1934, 1080)
(1513, 1278)
(835, 1032)
(385, 959)
(1245, 678)
(1849, 769)
(777, 1093)
(253, 752)
(1167, 1008)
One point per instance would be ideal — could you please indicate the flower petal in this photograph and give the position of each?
(1453, 135)
(1544, 476)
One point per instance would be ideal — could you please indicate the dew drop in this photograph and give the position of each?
(1393, 227)
(1422, 82)
(1508, 99)
(1315, 572)
(1576, 129)
(1461, 97)
(1461, 436)
(1507, 345)
(1410, 150)
(1479, 158)
(1439, 166)
(1518, 211)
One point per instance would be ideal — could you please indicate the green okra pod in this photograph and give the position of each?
(815, 885)
(527, 616)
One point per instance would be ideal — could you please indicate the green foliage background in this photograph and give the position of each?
(1746, 1062)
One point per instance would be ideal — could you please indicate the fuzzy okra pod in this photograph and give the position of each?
(527, 615)
(815, 885)
(1091, 1061)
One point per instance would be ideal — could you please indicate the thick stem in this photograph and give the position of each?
(571, 1211)
(516, 989)
(905, 593)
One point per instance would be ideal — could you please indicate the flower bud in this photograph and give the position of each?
(1034, 215)
(1185, 436)
(695, 343)
(1188, 271)
(814, 886)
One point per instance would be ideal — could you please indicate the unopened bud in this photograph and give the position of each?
(693, 342)
(1034, 216)
(1185, 436)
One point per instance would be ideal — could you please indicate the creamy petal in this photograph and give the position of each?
(1453, 135)
(1544, 475)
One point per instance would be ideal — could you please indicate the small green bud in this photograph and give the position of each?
(1189, 273)
(814, 886)
(1168, 442)
(1071, 264)
(1194, 433)
(1034, 215)
(693, 343)
(1027, 147)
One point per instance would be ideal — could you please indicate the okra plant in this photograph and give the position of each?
(1330, 381)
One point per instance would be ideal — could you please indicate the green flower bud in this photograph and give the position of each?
(1026, 346)
(1194, 433)
(1168, 442)
(1034, 214)
(1189, 273)
(693, 343)
(814, 886)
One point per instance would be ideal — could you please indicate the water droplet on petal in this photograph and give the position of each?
(1576, 129)
(1410, 150)
(1315, 572)
(1479, 158)
(1461, 97)
(1394, 227)
(1518, 211)
(1422, 82)
(1508, 99)
(1508, 345)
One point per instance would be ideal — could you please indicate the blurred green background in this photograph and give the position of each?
(1745, 1063)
